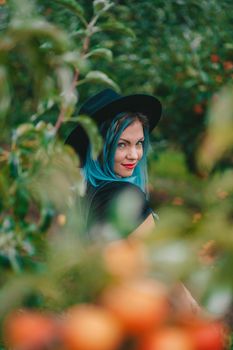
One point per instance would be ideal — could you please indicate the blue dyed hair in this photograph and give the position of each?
(99, 171)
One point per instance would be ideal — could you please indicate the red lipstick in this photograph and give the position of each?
(129, 166)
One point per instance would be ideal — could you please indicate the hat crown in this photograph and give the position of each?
(99, 101)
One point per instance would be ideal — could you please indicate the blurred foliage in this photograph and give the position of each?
(181, 51)
(201, 211)
(41, 65)
(183, 54)
(53, 54)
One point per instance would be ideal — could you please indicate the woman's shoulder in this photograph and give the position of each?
(110, 192)
(119, 186)
(107, 199)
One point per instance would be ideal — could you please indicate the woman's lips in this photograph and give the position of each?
(129, 166)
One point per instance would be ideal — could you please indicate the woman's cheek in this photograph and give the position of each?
(140, 154)
(119, 156)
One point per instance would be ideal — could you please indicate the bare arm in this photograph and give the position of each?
(145, 228)
(183, 303)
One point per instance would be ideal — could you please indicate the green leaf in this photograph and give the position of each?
(93, 133)
(191, 72)
(43, 106)
(4, 93)
(74, 7)
(101, 52)
(99, 77)
(204, 77)
(14, 165)
(189, 83)
(47, 216)
(118, 27)
(228, 46)
(21, 204)
(101, 6)
(23, 129)
(4, 189)
(26, 29)
(76, 60)
(68, 94)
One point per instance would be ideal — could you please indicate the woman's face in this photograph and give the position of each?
(129, 149)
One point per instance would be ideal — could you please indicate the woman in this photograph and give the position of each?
(125, 123)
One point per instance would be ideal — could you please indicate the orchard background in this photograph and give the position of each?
(53, 55)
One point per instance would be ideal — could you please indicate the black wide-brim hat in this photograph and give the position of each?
(105, 106)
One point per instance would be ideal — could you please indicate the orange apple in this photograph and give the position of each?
(139, 305)
(169, 338)
(210, 335)
(31, 330)
(125, 258)
(90, 327)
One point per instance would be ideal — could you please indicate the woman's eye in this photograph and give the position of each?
(140, 143)
(121, 145)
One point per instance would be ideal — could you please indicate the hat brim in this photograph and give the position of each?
(148, 105)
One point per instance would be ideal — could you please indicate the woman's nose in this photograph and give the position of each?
(132, 153)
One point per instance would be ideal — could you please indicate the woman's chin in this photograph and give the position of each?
(126, 173)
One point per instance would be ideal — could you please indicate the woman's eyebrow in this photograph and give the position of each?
(127, 141)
